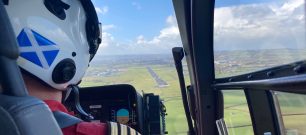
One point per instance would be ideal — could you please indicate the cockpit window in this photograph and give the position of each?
(257, 34)
(293, 112)
(137, 38)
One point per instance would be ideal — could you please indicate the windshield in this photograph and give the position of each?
(136, 49)
(250, 35)
(257, 34)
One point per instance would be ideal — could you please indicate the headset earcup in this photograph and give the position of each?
(64, 71)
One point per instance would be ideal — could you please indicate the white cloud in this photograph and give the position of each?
(140, 39)
(167, 38)
(253, 26)
(110, 46)
(108, 27)
(260, 26)
(107, 40)
(171, 20)
(102, 10)
(137, 5)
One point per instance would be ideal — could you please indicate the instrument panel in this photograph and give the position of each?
(112, 110)
(117, 103)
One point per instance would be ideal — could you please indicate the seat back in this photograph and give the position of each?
(7, 124)
(31, 115)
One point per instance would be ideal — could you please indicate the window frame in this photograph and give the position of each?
(195, 20)
(285, 79)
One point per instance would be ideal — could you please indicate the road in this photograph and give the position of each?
(158, 80)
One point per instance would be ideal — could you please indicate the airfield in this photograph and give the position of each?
(156, 74)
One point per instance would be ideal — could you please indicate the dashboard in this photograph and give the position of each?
(116, 103)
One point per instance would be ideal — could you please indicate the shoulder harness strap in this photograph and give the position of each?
(65, 120)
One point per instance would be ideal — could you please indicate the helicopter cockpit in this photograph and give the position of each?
(196, 67)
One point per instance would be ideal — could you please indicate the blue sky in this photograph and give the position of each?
(226, 3)
(150, 26)
(134, 18)
(137, 26)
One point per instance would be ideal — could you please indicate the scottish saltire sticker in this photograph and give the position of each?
(36, 48)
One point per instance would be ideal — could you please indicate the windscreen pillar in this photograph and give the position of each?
(202, 22)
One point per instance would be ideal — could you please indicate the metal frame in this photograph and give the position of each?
(264, 108)
(195, 21)
(202, 21)
(262, 114)
(291, 69)
(292, 84)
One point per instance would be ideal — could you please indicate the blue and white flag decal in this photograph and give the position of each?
(36, 48)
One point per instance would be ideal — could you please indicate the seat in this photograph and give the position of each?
(7, 123)
(27, 116)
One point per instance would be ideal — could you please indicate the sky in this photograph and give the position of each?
(150, 26)
(276, 24)
(135, 27)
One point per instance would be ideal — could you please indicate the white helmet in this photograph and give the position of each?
(57, 38)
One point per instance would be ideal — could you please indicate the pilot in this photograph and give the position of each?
(57, 39)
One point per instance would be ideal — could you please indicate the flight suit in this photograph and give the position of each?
(90, 128)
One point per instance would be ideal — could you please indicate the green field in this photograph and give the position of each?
(237, 117)
(236, 111)
(139, 77)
